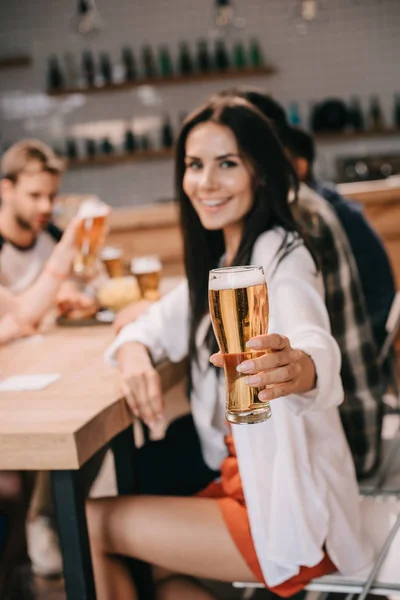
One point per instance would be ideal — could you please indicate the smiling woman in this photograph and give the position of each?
(287, 494)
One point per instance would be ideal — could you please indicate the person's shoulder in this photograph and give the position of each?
(282, 251)
(54, 232)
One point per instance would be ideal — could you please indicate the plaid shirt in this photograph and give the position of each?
(362, 409)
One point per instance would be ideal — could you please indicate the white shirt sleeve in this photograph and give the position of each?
(298, 311)
(163, 329)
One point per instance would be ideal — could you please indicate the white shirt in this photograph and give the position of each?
(296, 468)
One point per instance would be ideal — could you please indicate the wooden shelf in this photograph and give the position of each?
(116, 159)
(9, 62)
(171, 80)
(344, 136)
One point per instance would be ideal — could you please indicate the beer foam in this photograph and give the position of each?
(237, 277)
(92, 207)
(145, 264)
(110, 253)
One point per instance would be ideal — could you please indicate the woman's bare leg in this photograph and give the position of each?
(182, 535)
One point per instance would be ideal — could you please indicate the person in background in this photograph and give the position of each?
(30, 246)
(369, 253)
(362, 376)
(20, 313)
(31, 176)
(288, 481)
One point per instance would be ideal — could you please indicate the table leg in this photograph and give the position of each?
(71, 518)
(124, 450)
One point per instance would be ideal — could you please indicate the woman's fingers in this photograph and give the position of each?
(217, 359)
(155, 399)
(266, 362)
(269, 341)
(277, 391)
(126, 391)
(144, 396)
(274, 376)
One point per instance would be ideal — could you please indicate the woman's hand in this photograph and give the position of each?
(282, 370)
(141, 384)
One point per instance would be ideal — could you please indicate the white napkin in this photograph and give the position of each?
(22, 383)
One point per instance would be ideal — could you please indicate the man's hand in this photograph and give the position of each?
(70, 299)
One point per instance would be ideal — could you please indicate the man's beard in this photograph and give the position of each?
(23, 223)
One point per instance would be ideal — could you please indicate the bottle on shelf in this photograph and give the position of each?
(106, 146)
(294, 114)
(376, 120)
(221, 56)
(356, 117)
(106, 69)
(130, 143)
(255, 54)
(165, 62)
(185, 63)
(55, 77)
(239, 55)
(149, 65)
(71, 70)
(71, 149)
(90, 148)
(167, 135)
(129, 64)
(145, 142)
(203, 57)
(88, 68)
(397, 111)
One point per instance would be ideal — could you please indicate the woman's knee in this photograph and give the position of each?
(96, 515)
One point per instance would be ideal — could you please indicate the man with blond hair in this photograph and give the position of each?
(31, 176)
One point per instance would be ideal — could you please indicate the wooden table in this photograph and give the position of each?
(60, 428)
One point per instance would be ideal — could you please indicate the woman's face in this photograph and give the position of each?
(216, 180)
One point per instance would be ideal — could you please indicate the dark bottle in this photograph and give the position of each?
(221, 56)
(106, 146)
(167, 136)
(203, 57)
(239, 56)
(130, 144)
(356, 117)
(129, 64)
(55, 77)
(90, 147)
(149, 65)
(255, 54)
(88, 68)
(397, 111)
(165, 62)
(376, 120)
(71, 149)
(106, 69)
(185, 63)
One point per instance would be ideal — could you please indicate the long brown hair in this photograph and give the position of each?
(274, 179)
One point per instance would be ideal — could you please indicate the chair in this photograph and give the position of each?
(382, 487)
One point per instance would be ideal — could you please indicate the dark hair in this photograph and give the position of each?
(274, 178)
(298, 142)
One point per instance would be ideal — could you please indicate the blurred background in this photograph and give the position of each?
(108, 83)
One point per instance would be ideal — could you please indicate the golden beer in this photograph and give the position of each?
(89, 236)
(112, 260)
(238, 299)
(147, 270)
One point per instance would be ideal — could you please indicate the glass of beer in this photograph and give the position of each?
(112, 258)
(238, 299)
(147, 270)
(90, 236)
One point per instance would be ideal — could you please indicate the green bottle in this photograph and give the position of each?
(149, 65)
(397, 111)
(165, 62)
(185, 63)
(106, 146)
(255, 54)
(221, 56)
(203, 57)
(239, 56)
(130, 144)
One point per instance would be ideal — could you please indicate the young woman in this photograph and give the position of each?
(285, 509)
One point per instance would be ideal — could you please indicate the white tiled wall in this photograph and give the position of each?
(353, 48)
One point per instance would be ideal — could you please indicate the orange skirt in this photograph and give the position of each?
(229, 493)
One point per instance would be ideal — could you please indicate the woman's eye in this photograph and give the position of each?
(194, 165)
(228, 164)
